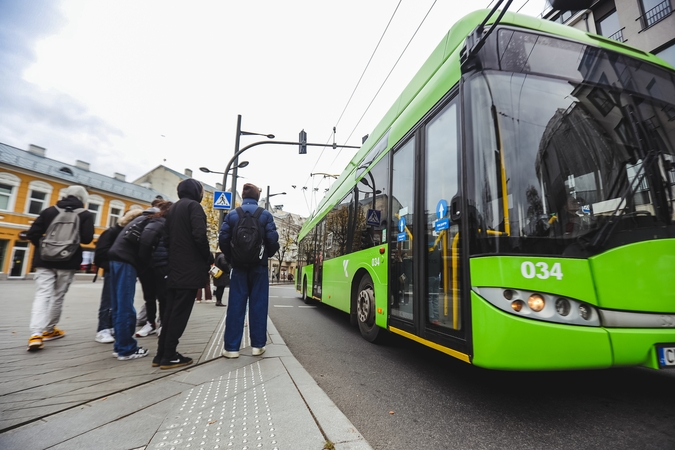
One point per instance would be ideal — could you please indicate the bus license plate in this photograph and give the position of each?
(666, 356)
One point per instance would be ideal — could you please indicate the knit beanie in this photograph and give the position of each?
(250, 191)
(79, 192)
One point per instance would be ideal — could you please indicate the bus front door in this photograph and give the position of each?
(425, 276)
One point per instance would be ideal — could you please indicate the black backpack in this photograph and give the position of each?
(247, 243)
(132, 233)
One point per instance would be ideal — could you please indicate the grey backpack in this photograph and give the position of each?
(62, 238)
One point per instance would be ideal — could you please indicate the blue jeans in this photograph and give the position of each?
(252, 286)
(122, 292)
(105, 312)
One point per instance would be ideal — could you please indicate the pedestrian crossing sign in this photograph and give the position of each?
(373, 217)
(222, 200)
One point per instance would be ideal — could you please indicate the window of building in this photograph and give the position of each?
(654, 11)
(9, 185)
(608, 26)
(115, 212)
(95, 206)
(39, 194)
(667, 54)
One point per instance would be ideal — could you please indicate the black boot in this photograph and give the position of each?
(220, 303)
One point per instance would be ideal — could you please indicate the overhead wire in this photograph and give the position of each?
(388, 75)
(357, 84)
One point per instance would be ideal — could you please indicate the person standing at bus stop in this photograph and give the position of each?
(249, 281)
(189, 261)
(53, 277)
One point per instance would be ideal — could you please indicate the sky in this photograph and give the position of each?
(128, 85)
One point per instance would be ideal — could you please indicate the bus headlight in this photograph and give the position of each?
(540, 306)
(562, 306)
(585, 312)
(536, 302)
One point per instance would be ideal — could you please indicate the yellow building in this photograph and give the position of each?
(31, 182)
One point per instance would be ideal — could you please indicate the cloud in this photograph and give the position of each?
(27, 113)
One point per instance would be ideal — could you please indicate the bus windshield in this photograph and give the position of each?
(572, 149)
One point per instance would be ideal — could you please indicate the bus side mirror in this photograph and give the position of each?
(456, 208)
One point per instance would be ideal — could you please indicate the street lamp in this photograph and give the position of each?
(240, 166)
(267, 199)
(240, 132)
(325, 175)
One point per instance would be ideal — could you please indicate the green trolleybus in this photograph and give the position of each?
(514, 207)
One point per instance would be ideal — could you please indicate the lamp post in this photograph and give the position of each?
(240, 166)
(240, 132)
(267, 199)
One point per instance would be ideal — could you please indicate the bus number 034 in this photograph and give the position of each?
(541, 270)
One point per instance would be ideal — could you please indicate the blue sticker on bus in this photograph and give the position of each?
(442, 224)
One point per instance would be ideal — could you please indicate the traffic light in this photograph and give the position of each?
(303, 142)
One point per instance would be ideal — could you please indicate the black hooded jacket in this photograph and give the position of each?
(39, 227)
(185, 237)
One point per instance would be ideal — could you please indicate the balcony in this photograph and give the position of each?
(655, 15)
(618, 36)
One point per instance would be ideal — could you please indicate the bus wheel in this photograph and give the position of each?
(365, 309)
(305, 298)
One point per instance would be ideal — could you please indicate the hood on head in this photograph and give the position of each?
(191, 189)
(78, 192)
(129, 216)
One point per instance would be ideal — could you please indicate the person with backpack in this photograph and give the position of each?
(124, 265)
(57, 234)
(189, 261)
(104, 331)
(154, 254)
(248, 236)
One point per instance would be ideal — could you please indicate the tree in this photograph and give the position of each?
(212, 218)
(288, 236)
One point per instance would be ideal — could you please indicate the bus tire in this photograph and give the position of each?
(365, 309)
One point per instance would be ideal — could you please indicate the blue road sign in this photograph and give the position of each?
(374, 218)
(441, 208)
(222, 200)
(401, 224)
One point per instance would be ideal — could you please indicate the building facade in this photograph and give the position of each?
(31, 182)
(648, 25)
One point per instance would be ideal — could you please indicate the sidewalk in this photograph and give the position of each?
(73, 395)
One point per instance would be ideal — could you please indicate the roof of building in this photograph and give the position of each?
(182, 176)
(70, 174)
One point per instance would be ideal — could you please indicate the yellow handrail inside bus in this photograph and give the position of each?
(446, 282)
(455, 273)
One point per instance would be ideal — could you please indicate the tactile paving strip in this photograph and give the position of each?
(229, 412)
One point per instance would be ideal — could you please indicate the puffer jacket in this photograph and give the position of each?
(185, 237)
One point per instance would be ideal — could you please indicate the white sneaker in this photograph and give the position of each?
(139, 353)
(159, 330)
(255, 351)
(146, 330)
(104, 337)
(230, 355)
